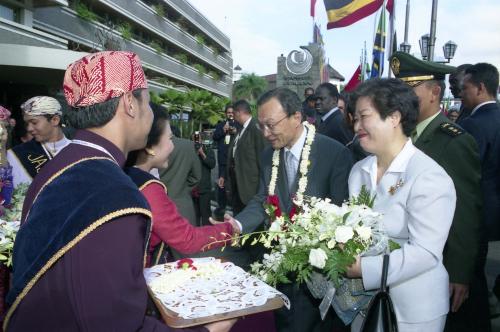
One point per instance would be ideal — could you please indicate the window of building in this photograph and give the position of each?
(9, 13)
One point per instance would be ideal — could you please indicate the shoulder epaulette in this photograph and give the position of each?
(451, 129)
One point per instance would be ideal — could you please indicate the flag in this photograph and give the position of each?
(390, 6)
(342, 13)
(354, 81)
(313, 5)
(379, 48)
(317, 37)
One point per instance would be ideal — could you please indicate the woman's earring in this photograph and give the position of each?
(150, 152)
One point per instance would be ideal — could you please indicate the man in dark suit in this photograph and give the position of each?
(456, 80)
(225, 132)
(479, 91)
(182, 174)
(244, 158)
(456, 151)
(203, 191)
(330, 162)
(331, 121)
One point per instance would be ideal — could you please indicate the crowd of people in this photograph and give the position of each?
(136, 194)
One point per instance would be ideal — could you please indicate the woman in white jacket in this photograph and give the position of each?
(417, 199)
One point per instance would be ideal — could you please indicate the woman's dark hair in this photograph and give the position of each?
(96, 115)
(389, 95)
(350, 108)
(161, 117)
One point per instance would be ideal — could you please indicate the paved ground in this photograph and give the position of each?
(492, 270)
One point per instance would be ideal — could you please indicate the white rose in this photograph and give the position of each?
(317, 258)
(331, 244)
(275, 226)
(343, 234)
(364, 232)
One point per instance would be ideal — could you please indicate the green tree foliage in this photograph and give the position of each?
(204, 107)
(249, 87)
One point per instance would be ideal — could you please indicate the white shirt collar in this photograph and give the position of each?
(299, 145)
(247, 122)
(327, 115)
(398, 165)
(477, 107)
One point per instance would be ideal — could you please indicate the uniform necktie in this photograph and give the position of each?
(291, 170)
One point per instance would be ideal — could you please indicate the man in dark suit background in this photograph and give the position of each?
(243, 165)
(225, 132)
(456, 151)
(331, 121)
(456, 80)
(330, 163)
(479, 92)
(203, 191)
(182, 174)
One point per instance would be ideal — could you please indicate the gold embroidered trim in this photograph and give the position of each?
(65, 249)
(417, 78)
(153, 181)
(160, 251)
(58, 173)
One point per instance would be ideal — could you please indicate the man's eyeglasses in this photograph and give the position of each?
(270, 126)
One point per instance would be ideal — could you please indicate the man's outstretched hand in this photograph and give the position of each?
(229, 219)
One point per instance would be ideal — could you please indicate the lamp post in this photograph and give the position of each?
(424, 45)
(405, 46)
(449, 50)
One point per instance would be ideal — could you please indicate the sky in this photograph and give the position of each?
(262, 30)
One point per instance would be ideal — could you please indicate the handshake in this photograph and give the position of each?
(229, 219)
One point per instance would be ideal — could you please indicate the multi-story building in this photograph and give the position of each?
(178, 46)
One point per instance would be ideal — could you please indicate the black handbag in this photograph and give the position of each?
(380, 315)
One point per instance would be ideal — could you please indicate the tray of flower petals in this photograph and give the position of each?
(198, 291)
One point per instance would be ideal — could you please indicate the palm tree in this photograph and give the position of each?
(249, 87)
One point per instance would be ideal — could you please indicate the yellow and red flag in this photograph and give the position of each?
(342, 13)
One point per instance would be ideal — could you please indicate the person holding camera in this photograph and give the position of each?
(224, 134)
(201, 194)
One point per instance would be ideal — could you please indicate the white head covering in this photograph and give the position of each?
(41, 105)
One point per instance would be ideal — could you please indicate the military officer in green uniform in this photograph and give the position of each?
(457, 152)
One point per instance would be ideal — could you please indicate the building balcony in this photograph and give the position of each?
(64, 23)
(16, 33)
(195, 17)
(145, 16)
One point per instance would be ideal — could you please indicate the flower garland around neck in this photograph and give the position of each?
(272, 205)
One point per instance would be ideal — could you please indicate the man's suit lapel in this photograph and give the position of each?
(242, 145)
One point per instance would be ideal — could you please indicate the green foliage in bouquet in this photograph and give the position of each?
(9, 224)
(13, 213)
(321, 237)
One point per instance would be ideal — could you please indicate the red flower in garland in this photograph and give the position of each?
(293, 211)
(186, 263)
(275, 202)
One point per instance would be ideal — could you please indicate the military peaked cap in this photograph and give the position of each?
(414, 71)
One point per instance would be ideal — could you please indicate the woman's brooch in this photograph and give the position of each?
(399, 184)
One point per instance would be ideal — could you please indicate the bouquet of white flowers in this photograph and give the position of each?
(8, 231)
(10, 222)
(320, 236)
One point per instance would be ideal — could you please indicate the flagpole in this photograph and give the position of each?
(392, 19)
(432, 40)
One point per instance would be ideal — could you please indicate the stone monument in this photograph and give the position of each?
(302, 68)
